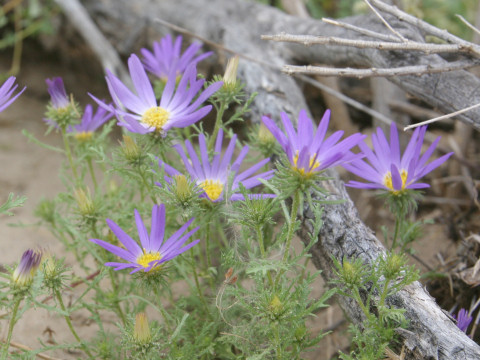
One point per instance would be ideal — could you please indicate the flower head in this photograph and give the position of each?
(57, 92)
(90, 122)
(307, 150)
(6, 91)
(167, 56)
(387, 169)
(176, 108)
(154, 251)
(213, 176)
(463, 320)
(25, 271)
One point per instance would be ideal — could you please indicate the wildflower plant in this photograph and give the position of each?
(221, 226)
(370, 286)
(396, 175)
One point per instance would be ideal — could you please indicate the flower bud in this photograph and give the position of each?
(265, 137)
(275, 306)
(49, 266)
(84, 202)
(141, 331)
(130, 149)
(62, 111)
(25, 271)
(230, 77)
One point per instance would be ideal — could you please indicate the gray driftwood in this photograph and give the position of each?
(238, 24)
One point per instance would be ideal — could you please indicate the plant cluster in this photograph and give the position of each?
(172, 203)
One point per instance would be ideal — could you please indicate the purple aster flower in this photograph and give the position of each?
(29, 263)
(463, 320)
(213, 177)
(166, 57)
(6, 91)
(386, 170)
(90, 122)
(154, 251)
(307, 149)
(176, 108)
(57, 92)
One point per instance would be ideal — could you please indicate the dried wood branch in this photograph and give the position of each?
(426, 48)
(447, 116)
(385, 22)
(360, 30)
(374, 72)
(468, 24)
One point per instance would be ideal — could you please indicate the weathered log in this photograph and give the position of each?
(237, 25)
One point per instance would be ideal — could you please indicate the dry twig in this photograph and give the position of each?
(447, 116)
(376, 72)
(361, 30)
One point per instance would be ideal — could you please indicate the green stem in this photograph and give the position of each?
(384, 292)
(115, 291)
(68, 152)
(207, 246)
(197, 285)
(10, 327)
(291, 225)
(146, 184)
(278, 344)
(92, 173)
(162, 310)
(358, 298)
(208, 256)
(398, 221)
(70, 325)
(218, 122)
(262, 251)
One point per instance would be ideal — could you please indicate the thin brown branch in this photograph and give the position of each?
(360, 30)
(26, 348)
(375, 72)
(465, 21)
(447, 116)
(413, 110)
(385, 22)
(346, 99)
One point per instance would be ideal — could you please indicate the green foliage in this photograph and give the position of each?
(12, 202)
(371, 286)
(442, 14)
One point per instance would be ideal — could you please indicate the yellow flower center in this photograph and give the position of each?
(312, 165)
(387, 181)
(83, 135)
(213, 188)
(155, 117)
(147, 257)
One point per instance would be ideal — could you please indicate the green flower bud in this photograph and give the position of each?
(141, 331)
